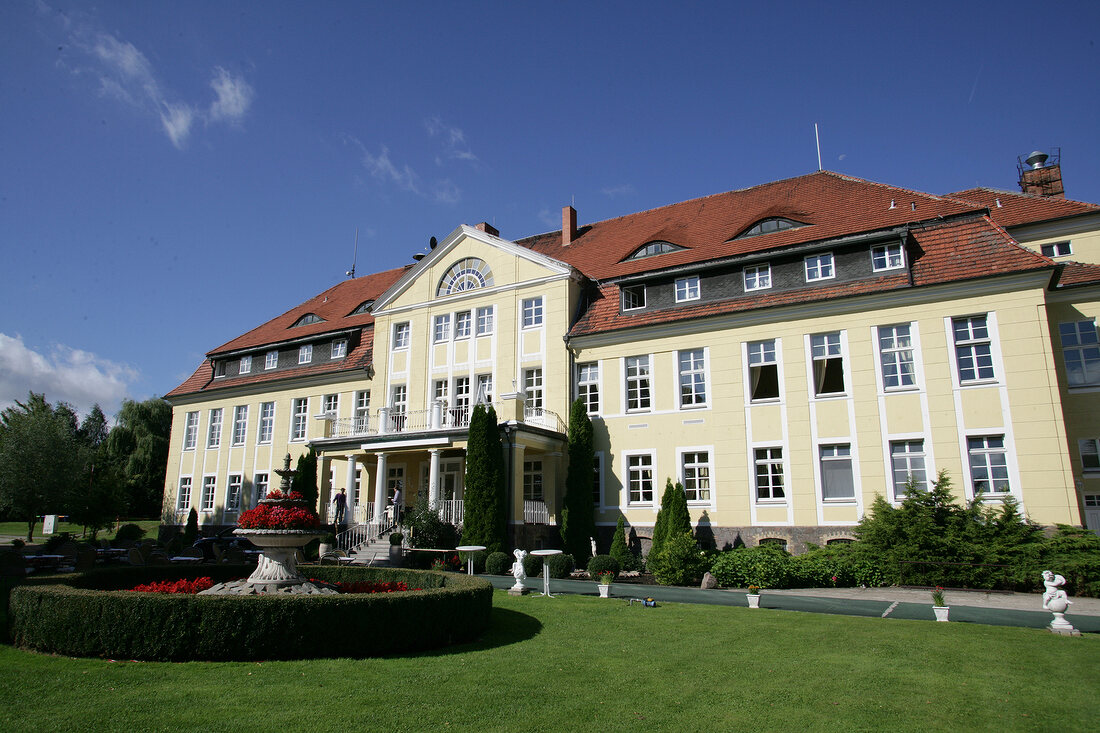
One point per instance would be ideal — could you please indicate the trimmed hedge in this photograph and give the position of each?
(499, 563)
(91, 615)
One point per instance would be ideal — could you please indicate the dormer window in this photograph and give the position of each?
(769, 225)
(339, 348)
(652, 249)
(246, 365)
(362, 308)
(307, 319)
(633, 297)
(219, 369)
(887, 257)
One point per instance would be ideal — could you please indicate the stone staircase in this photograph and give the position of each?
(376, 553)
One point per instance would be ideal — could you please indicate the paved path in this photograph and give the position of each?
(981, 607)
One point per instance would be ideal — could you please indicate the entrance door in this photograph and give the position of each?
(450, 480)
(1092, 512)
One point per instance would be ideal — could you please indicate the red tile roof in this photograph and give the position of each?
(1024, 208)
(1079, 273)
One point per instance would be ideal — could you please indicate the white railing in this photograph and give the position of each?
(439, 417)
(450, 511)
(535, 512)
(355, 514)
(543, 418)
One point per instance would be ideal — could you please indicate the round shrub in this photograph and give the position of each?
(532, 565)
(129, 533)
(766, 566)
(498, 563)
(602, 564)
(79, 616)
(560, 565)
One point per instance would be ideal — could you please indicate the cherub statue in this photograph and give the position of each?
(1054, 593)
(517, 568)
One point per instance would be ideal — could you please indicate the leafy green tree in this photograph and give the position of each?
(619, 549)
(139, 445)
(304, 480)
(578, 516)
(94, 429)
(40, 458)
(99, 496)
(484, 519)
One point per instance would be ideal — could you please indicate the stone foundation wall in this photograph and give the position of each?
(796, 539)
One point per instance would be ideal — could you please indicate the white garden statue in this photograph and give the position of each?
(1056, 601)
(518, 572)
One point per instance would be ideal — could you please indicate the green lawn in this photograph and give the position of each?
(582, 663)
(19, 529)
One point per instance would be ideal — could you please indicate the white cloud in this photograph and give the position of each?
(446, 192)
(176, 119)
(453, 139)
(65, 375)
(234, 97)
(624, 189)
(380, 166)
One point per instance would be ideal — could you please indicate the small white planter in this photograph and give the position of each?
(605, 589)
(754, 600)
(941, 612)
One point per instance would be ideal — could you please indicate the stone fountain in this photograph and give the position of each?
(277, 569)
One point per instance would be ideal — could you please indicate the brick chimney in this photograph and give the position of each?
(568, 225)
(488, 228)
(1040, 177)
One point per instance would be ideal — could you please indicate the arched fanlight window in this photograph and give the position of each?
(651, 249)
(363, 307)
(466, 274)
(769, 225)
(307, 319)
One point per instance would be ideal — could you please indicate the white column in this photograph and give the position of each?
(384, 420)
(436, 420)
(380, 490)
(350, 486)
(433, 478)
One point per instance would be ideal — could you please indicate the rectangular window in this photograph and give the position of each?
(758, 277)
(633, 297)
(763, 370)
(687, 288)
(339, 348)
(639, 479)
(532, 480)
(693, 378)
(305, 353)
(988, 464)
(191, 431)
(532, 385)
(1057, 249)
(442, 329)
(973, 352)
(362, 410)
(588, 386)
(299, 413)
(1090, 454)
(907, 465)
(887, 257)
(820, 267)
(214, 431)
(895, 344)
(439, 390)
(399, 406)
(246, 365)
(460, 411)
(259, 481)
(219, 369)
(183, 498)
(240, 424)
(484, 388)
(638, 395)
(209, 483)
(462, 325)
(532, 312)
(233, 497)
(267, 422)
(1081, 352)
(828, 364)
(271, 360)
(401, 335)
(837, 482)
(485, 321)
(769, 474)
(695, 470)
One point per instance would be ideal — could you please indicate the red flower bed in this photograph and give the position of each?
(274, 516)
(176, 586)
(277, 495)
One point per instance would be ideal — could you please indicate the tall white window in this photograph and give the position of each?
(828, 363)
(233, 496)
(988, 464)
(695, 470)
(401, 335)
(638, 396)
(259, 481)
(442, 329)
(362, 410)
(299, 413)
(532, 312)
(183, 498)
(633, 297)
(687, 288)
(209, 483)
(1090, 454)
(769, 474)
(462, 325)
(399, 406)
(693, 378)
(484, 388)
(271, 360)
(532, 480)
(191, 431)
(439, 390)
(1081, 352)
(820, 267)
(305, 353)
(907, 463)
(763, 370)
(887, 257)
(837, 483)
(246, 365)
(588, 386)
(485, 321)
(639, 479)
(214, 431)
(240, 424)
(758, 277)
(895, 348)
(532, 385)
(460, 411)
(973, 350)
(339, 348)
(267, 422)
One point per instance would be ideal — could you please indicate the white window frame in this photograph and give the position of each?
(826, 347)
(271, 359)
(209, 488)
(1081, 347)
(892, 357)
(707, 476)
(532, 312)
(971, 347)
(233, 491)
(191, 430)
(633, 297)
(836, 454)
(687, 288)
(486, 318)
(588, 385)
(533, 488)
(261, 484)
(697, 394)
(362, 410)
(245, 366)
(771, 460)
(339, 349)
(441, 328)
(757, 277)
(463, 321)
(214, 429)
(1089, 450)
(758, 355)
(638, 378)
(240, 424)
(907, 458)
(299, 417)
(267, 423)
(183, 494)
(402, 335)
(484, 389)
(887, 257)
(986, 454)
(649, 465)
(819, 267)
(305, 353)
(533, 386)
(1056, 249)
(330, 404)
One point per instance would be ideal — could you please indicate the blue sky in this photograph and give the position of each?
(175, 174)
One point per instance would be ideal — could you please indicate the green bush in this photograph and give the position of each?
(396, 538)
(532, 565)
(766, 566)
(679, 562)
(129, 533)
(560, 565)
(55, 541)
(603, 563)
(498, 563)
(81, 618)
(619, 549)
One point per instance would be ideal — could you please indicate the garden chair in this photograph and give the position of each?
(333, 558)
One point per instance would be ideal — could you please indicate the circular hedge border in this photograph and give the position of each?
(92, 615)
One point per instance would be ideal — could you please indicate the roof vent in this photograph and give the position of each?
(1036, 159)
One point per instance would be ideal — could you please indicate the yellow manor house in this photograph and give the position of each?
(785, 351)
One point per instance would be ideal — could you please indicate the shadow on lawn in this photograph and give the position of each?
(505, 627)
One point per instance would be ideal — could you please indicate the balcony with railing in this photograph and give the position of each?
(439, 417)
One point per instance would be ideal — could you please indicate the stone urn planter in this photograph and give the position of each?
(753, 599)
(605, 589)
(941, 612)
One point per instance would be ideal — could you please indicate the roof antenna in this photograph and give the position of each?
(817, 137)
(355, 255)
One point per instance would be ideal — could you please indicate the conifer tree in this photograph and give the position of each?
(579, 521)
(484, 519)
(304, 480)
(673, 519)
(619, 549)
